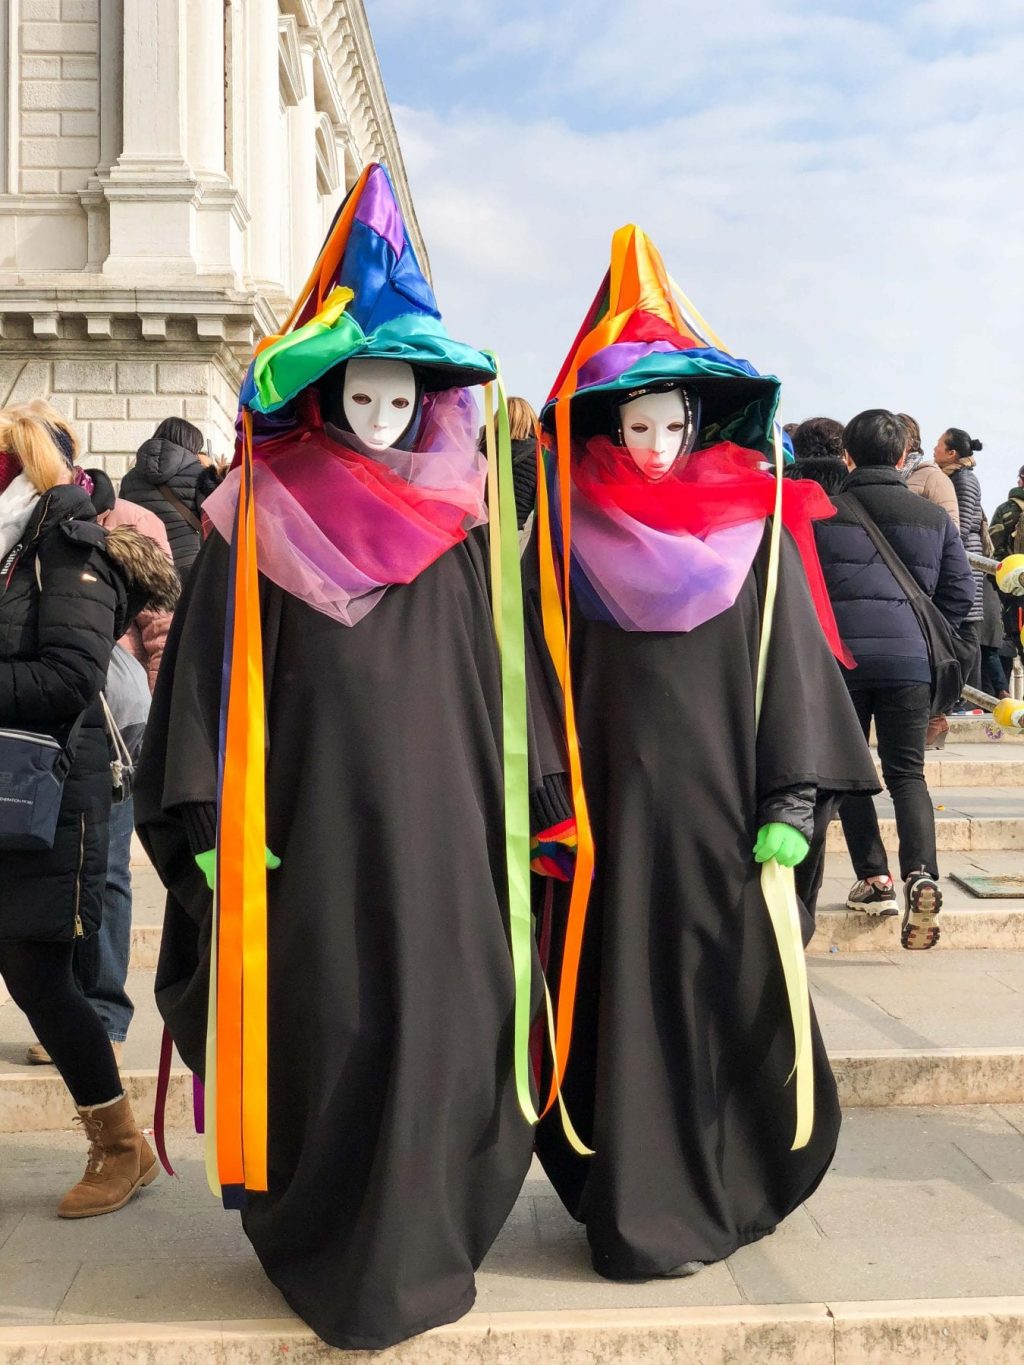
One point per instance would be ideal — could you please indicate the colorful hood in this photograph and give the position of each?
(366, 297)
(641, 330)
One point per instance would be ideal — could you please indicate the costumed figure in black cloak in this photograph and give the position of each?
(704, 713)
(351, 799)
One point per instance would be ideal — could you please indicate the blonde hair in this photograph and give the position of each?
(39, 407)
(522, 420)
(24, 435)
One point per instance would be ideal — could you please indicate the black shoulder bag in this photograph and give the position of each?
(33, 770)
(949, 655)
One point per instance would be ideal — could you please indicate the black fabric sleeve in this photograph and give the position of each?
(200, 821)
(809, 734)
(550, 803)
(792, 806)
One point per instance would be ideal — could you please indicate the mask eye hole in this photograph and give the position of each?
(675, 426)
(361, 398)
(400, 403)
(639, 427)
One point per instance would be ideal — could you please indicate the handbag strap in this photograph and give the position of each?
(183, 511)
(122, 753)
(912, 590)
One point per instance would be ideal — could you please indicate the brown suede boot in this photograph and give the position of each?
(120, 1162)
(935, 736)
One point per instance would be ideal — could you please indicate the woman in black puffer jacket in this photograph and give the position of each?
(68, 590)
(170, 479)
(954, 454)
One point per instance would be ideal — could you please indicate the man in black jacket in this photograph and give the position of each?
(892, 681)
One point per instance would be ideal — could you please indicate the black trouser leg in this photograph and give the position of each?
(811, 872)
(993, 673)
(41, 983)
(857, 812)
(901, 719)
(970, 633)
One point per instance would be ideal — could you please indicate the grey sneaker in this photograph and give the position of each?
(922, 903)
(874, 899)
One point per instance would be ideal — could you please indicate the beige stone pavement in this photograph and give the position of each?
(920, 1203)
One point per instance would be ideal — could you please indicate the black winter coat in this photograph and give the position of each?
(162, 464)
(66, 595)
(875, 619)
(968, 498)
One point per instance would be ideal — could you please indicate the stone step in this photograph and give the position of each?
(936, 1028)
(997, 927)
(992, 923)
(977, 730)
(911, 1250)
(966, 819)
(978, 925)
(36, 1101)
(914, 1331)
(972, 765)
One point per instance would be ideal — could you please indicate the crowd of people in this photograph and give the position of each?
(360, 728)
(930, 514)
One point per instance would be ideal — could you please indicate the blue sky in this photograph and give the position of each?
(838, 186)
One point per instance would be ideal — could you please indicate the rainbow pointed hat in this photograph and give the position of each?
(366, 297)
(642, 330)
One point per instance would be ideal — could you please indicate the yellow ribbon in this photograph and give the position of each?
(777, 883)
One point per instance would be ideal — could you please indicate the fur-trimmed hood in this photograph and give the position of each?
(145, 567)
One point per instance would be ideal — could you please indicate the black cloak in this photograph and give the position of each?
(396, 1145)
(683, 1042)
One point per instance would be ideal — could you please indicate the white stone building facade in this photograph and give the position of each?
(168, 169)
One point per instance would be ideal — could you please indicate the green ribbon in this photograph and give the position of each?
(507, 596)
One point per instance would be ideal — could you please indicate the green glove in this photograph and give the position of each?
(207, 864)
(783, 843)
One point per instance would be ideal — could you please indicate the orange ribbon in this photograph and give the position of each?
(241, 1070)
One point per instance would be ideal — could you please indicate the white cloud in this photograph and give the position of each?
(847, 210)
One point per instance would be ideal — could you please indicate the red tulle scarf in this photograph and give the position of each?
(712, 490)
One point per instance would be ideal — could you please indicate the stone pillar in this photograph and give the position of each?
(221, 214)
(266, 184)
(306, 214)
(154, 90)
(205, 87)
(151, 190)
(111, 82)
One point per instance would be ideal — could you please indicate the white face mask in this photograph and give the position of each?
(379, 400)
(654, 428)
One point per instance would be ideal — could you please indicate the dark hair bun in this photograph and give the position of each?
(976, 444)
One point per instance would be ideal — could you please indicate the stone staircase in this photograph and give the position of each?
(911, 1250)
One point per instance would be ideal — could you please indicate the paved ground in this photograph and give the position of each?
(919, 1203)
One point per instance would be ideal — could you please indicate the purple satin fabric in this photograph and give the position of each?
(379, 211)
(328, 539)
(608, 363)
(651, 580)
